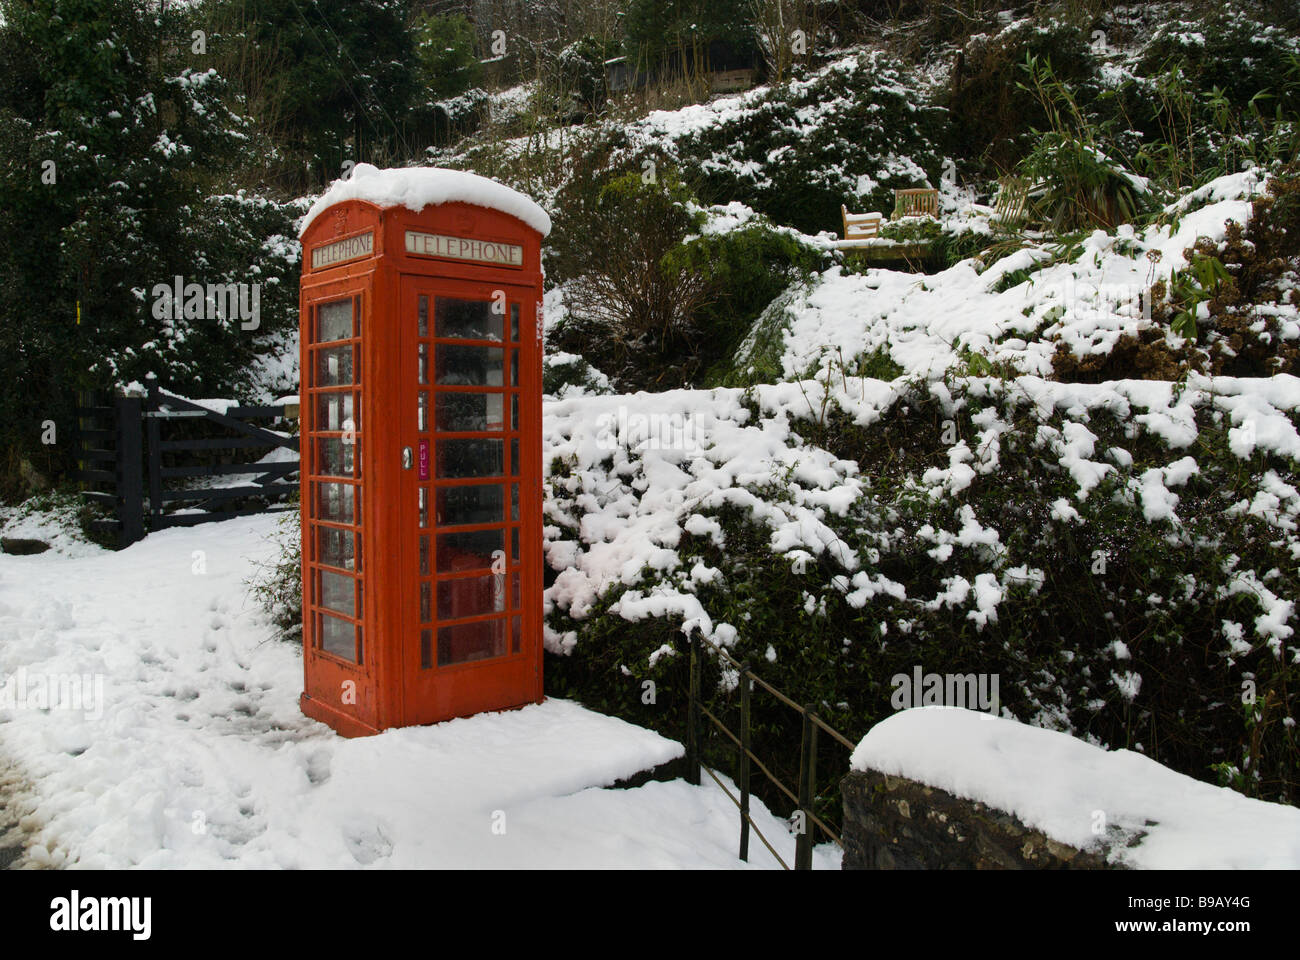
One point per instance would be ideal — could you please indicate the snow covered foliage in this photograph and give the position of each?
(118, 176)
(1093, 306)
(1086, 543)
(848, 133)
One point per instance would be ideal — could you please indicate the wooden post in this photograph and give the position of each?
(154, 452)
(807, 774)
(742, 775)
(693, 717)
(130, 476)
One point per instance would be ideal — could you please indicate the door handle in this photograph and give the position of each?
(408, 458)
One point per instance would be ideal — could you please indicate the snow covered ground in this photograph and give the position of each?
(1059, 785)
(187, 748)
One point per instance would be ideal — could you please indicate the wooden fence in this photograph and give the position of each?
(133, 462)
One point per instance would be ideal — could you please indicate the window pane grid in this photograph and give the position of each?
(468, 357)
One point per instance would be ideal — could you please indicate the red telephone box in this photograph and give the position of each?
(421, 450)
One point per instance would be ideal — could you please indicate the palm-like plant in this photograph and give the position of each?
(1074, 184)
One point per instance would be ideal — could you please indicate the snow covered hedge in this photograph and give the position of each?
(1122, 555)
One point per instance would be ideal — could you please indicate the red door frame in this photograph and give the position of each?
(436, 692)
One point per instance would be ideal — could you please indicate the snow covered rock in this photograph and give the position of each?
(936, 786)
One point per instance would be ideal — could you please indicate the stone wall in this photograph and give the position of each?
(891, 823)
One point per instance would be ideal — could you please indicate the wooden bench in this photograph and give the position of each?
(916, 202)
(731, 80)
(860, 226)
(1011, 208)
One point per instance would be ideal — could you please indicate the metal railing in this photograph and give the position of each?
(806, 792)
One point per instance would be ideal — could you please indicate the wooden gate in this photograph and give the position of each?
(159, 460)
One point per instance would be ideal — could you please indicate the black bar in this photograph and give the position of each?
(231, 493)
(215, 469)
(230, 443)
(194, 519)
(807, 774)
(98, 456)
(95, 476)
(130, 483)
(693, 717)
(746, 689)
(155, 457)
(270, 411)
(274, 439)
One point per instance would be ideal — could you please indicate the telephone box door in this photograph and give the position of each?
(470, 515)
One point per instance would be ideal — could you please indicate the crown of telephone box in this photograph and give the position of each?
(418, 187)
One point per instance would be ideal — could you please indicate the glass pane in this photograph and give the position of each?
(466, 319)
(426, 606)
(514, 411)
(337, 502)
(424, 363)
(337, 592)
(335, 457)
(333, 410)
(458, 365)
(514, 457)
(514, 501)
(514, 368)
(471, 596)
(337, 548)
(426, 649)
(424, 506)
(333, 366)
(514, 544)
(471, 641)
(459, 506)
(471, 550)
(514, 591)
(424, 556)
(469, 412)
(335, 321)
(514, 322)
(514, 635)
(337, 637)
(423, 321)
(422, 411)
(470, 458)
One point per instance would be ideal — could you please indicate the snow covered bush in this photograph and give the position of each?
(1116, 554)
(277, 584)
(850, 133)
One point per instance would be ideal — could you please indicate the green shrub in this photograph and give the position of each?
(848, 135)
(1088, 605)
(633, 303)
(445, 47)
(993, 115)
(745, 270)
(276, 585)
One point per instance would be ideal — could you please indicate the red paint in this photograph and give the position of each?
(420, 610)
